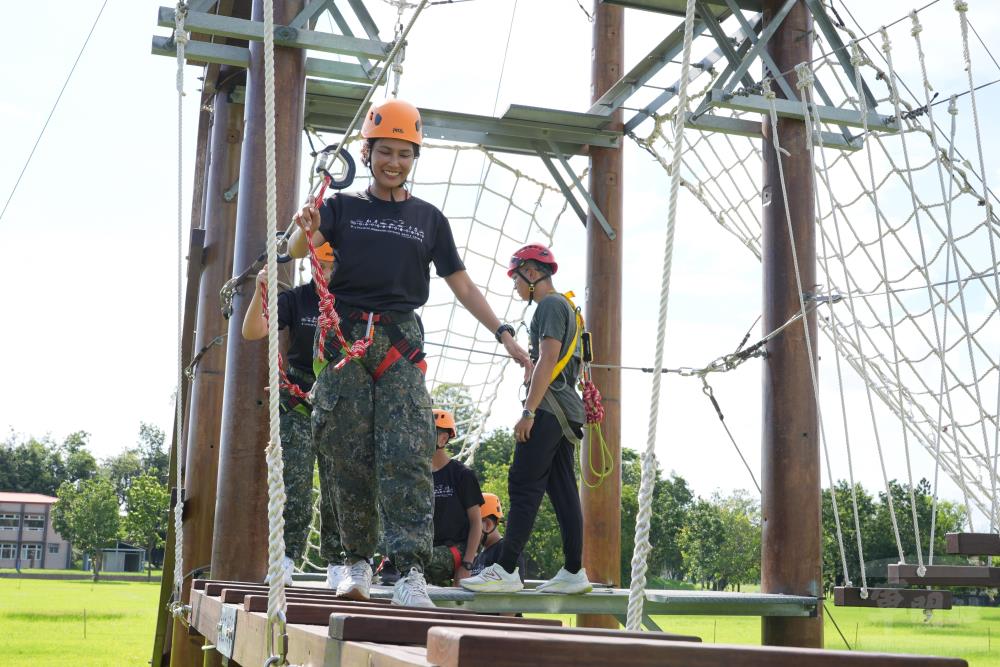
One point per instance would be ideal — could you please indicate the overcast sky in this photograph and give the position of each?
(87, 246)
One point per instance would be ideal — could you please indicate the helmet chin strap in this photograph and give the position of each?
(531, 285)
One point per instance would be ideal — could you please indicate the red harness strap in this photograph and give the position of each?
(457, 555)
(285, 383)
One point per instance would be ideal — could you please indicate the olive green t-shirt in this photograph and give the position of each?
(554, 318)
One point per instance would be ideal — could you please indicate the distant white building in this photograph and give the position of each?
(27, 539)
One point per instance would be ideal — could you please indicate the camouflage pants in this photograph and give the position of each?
(441, 569)
(377, 440)
(298, 456)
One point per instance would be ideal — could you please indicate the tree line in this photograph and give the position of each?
(125, 496)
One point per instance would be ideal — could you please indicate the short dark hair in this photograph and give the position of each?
(541, 267)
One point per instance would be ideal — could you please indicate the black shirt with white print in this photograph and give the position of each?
(456, 489)
(298, 309)
(384, 250)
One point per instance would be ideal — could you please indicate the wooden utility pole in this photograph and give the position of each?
(164, 622)
(791, 558)
(602, 506)
(202, 456)
(239, 547)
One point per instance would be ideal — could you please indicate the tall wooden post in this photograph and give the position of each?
(239, 547)
(791, 558)
(202, 455)
(602, 506)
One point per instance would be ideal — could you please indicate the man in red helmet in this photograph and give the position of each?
(550, 425)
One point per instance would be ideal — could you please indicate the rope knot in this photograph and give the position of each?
(766, 88)
(961, 6)
(805, 76)
(858, 57)
(886, 42)
(917, 28)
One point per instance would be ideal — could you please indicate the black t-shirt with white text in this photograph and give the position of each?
(456, 489)
(298, 309)
(384, 250)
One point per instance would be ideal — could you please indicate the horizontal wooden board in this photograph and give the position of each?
(351, 627)
(463, 647)
(946, 575)
(973, 544)
(892, 598)
(319, 614)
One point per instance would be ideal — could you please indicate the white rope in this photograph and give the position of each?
(181, 40)
(804, 83)
(962, 8)
(636, 596)
(858, 59)
(275, 465)
(915, 30)
(887, 49)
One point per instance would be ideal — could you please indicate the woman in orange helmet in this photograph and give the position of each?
(373, 416)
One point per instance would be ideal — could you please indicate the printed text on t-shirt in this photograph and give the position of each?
(388, 226)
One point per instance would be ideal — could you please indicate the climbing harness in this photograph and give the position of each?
(400, 346)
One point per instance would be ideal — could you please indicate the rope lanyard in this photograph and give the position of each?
(642, 549)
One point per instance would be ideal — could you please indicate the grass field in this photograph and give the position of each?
(42, 624)
(131, 575)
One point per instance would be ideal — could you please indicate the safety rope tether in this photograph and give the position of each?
(637, 596)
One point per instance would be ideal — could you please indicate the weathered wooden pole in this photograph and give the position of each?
(791, 558)
(164, 622)
(202, 455)
(239, 546)
(602, 506)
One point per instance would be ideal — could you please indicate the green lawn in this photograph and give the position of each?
(83, 573)
(42, 623)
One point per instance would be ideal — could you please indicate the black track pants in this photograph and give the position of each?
(543, 464)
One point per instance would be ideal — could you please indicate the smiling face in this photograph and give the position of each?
(391, 162)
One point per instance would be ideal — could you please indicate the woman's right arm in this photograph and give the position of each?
(306, 223)
(254, 324)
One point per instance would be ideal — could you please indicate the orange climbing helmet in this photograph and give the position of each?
(491, 507)
(444, 420)
(533, 251)
(324, 253)
(393, 119)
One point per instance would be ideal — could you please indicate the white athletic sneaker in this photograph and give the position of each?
(356, 583)
(493, 579)
(334, 575)
(287, 566)
(564, 582)
(411, 591)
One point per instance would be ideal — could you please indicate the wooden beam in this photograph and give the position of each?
(892, 598)
(459, 647)
(946, 575)
(310, 613)
(368, 628)
(973, 544)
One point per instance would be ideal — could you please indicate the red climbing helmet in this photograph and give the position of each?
(532, 251)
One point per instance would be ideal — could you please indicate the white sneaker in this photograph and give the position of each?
(564, 582)
(493, 579)
(334, 575)
(287, 566)
(411, 591)
(356, 583)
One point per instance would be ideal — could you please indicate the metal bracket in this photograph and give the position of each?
(226, 639)
(230, 194)
(567, 192)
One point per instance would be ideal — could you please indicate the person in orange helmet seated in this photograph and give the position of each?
(491, 513)
(297, 311)
(457, 497)
(373, 415)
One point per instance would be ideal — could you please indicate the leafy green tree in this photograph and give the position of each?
(146, 520)
(155, 458)
(86, 514)
(121, 471)
(79, 463)
(496, 449)
(701, 541)
(720, 542)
